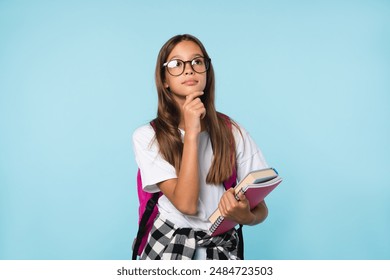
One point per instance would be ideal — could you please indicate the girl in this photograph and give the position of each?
(188, 153)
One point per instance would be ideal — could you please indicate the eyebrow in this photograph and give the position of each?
(179, 57)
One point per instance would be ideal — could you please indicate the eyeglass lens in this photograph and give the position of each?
(176, 67)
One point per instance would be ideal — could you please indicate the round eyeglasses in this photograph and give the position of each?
(176, 67)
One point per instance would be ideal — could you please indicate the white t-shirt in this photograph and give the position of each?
(155, 169)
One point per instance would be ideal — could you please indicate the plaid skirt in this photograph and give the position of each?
(167, 242)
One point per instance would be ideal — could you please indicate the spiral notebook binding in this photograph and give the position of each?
(216, 224)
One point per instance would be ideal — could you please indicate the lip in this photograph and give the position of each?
(190, 82)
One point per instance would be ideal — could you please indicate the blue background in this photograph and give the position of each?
(308, 79)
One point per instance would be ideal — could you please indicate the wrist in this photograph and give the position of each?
(191, 136)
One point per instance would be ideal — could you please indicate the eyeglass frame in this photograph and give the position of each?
(207, 62)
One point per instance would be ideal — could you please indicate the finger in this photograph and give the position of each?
(203, 114)
(243, 201)
(221, 207)
(231, 201)
(196, 107)
(193, 103)
(193, 95)
(224, 203)
(241, 196)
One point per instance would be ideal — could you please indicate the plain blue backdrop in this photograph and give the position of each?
(310, 80)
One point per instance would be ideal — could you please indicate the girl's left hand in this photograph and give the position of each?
(236, 210)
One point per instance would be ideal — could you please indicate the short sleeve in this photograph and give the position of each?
(249, 157)
(154, 169)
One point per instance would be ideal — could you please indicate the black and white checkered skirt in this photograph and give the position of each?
(167, 242)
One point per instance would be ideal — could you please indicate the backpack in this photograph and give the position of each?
(148, 210)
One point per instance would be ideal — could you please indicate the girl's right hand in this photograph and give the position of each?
(183, 191)
(194, 111)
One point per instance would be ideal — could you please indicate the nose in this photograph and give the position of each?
(188, 69)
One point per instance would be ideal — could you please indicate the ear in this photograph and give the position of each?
(166, 85)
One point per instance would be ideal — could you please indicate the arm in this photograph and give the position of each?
(183, 192)
(260, 212)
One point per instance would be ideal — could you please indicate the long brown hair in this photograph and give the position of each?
(168, 118)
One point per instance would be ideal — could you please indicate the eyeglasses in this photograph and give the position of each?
(176, 67)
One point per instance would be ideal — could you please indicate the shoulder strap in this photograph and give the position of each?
(232, 180)
(142, 224)
(145, 218)
(240, 247)
(231, 183)
(153, 124)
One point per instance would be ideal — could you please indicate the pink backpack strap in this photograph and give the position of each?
(232, 180)
(147, 213)
(231, 183)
